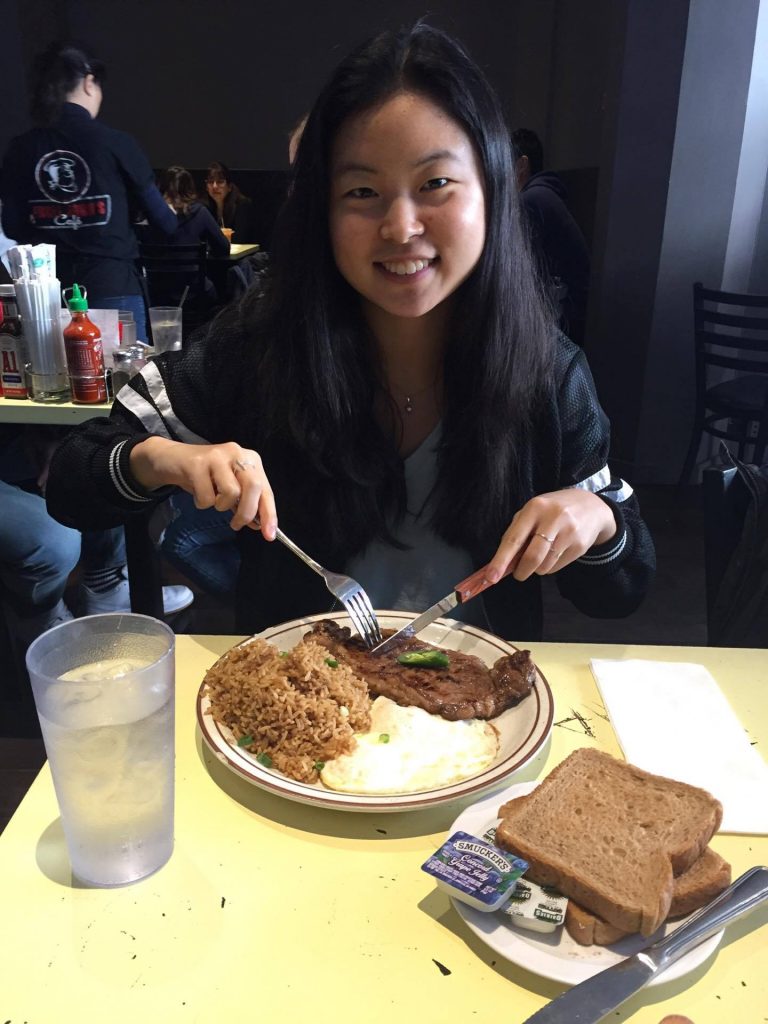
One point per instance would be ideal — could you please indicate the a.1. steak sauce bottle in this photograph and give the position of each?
(85, 358)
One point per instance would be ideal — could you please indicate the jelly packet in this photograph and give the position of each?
(475, 871)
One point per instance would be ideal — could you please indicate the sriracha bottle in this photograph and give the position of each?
(85, 358)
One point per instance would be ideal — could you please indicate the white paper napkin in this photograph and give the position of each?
(672, 719)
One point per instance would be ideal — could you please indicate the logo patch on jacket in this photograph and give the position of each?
(63, 178)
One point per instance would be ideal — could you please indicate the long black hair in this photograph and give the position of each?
(55, 73)
(319, 367)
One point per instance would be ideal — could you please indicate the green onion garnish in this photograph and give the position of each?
(245, 741)
(425, 659)
(331, 663)
(264, 759)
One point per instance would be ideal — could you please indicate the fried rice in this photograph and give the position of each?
(294, 710)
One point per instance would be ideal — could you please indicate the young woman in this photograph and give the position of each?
(226, 203)
(400, 397)
(195, 223)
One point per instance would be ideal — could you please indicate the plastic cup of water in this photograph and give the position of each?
(166, 327)
(104, 693)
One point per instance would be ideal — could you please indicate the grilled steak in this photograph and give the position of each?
(467, 688)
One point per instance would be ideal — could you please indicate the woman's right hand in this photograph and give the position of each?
(221, 476)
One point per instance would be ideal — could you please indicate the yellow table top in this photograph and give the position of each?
(237, 250)
(68, 414)
(275, 911)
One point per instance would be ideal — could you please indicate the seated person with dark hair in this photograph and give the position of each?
(227, 204)
(556, 238)
(195, 222)
(195, 225)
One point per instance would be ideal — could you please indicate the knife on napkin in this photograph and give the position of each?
(462, 592)
(590, 1001)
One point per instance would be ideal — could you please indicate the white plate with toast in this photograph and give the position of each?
(522, 730)
(555, 955)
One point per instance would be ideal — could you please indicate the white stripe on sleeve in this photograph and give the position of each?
(606, 556)
(159, 395)
(143, 410)
(120, 483)
(599, 482)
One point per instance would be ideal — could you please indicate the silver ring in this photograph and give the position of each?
(549, 540)
(241, 464)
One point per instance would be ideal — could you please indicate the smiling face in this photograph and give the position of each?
(407, 206)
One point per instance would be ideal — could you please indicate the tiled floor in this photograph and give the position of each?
(673, 613)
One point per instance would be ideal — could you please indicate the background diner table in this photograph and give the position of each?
(277, 911)
(64, 414)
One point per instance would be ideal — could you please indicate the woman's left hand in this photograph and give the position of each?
(550, 531)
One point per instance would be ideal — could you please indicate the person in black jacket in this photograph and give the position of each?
(78, 184)
(195, 224)
(194, 221)
(400, 394)
(558, 243)
(227, 204)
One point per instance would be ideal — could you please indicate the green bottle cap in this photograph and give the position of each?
(78, 303)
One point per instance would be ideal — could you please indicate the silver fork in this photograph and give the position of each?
(347, 590)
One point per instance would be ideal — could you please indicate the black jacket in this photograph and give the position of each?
(559, 246)
(196, 225)
(238, 215)
(203, 395)
(79, 185)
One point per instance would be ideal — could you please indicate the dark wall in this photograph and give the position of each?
(706, 236)
(640, 125)
(599, 80)
(227, 79)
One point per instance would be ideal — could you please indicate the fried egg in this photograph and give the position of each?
(407, 750)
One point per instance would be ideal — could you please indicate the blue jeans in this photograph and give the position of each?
(133, 302)
(201, 544)
(37, 554)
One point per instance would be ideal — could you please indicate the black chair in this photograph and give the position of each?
(735, 501)
(731, 333)
(143, 559)
(724, 509)
(172, 272)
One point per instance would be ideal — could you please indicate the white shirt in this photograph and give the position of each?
(429, 568)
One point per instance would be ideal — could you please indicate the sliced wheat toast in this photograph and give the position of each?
(693, 889)
(610, 836)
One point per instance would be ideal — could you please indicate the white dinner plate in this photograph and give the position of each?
(523, 729)
(555, 955)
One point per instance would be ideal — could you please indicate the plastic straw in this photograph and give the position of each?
(40, 308)
(33, 268)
